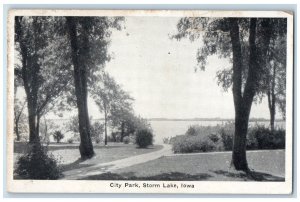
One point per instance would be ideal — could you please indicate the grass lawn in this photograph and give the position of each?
(267, 166)
(68, 154)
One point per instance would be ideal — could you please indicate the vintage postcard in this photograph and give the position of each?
(150, 101)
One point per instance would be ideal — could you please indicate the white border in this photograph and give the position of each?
(84, 186)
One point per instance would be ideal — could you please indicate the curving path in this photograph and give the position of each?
(114, 165)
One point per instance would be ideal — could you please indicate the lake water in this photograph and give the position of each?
(166, 129)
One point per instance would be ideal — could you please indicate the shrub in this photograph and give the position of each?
(267, 139)
(227, 132)
(191, 131)
(204, 139)
(251, 143)
(98, 140)
(214, 137)
(70, 140)
(58, 136)
(36, 164)
(97, 130)
(189, 144)
(144, 138)
(126, 140)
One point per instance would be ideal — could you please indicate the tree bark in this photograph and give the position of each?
(239, 159)
(243, 101)
(80, 74)
(32, 119)
(17, 120)
(30, 79)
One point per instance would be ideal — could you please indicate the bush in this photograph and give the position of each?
(267, 139)
(36, 164)
(98, 140)
(97, 130)
(70, 140)
(144, 138)
(191, 131)
(189, 144)
(58, 136)
(204, 139)
(214, 137)
(251, 143)
(227, 139)
(126, 140)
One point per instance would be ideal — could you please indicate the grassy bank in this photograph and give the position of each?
(205, 166)
(68, 155)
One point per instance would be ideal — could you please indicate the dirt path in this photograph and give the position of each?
(97, 169)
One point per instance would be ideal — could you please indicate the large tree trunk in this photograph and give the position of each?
(32, 119)
(243, 101)
(239, 159)
(80, 74)
(30, 80)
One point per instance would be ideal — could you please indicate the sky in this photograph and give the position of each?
(158, 72)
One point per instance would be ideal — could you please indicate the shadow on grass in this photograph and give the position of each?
(22, 147)
(250, 175)
(173, 176)
(74, 165)
(152, 147)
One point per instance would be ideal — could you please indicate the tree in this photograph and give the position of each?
(246, 43)
(275, 77)
(88, 37)
(121, 113)
(47, 127)
(107, 95)
(18, 117)
(58, 136)
(41, 53)
(73, 126)
(97, 130)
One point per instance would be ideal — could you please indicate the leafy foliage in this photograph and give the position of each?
(144, 138)
(215, 36)
(70, 140)
(126, 140)
(58, 136)
(37, 165)
(20, 126)
(267, 139)
(97, 130)
(245, 43)
(220, 138)
(40, 52)
(47, 127)
(73, 126)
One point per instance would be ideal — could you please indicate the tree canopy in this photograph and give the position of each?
(245, 42)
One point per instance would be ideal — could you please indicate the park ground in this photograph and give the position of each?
(119, 161)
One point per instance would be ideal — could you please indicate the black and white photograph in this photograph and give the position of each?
(138, 101)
